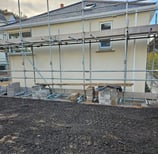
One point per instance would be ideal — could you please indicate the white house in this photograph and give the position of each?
(83, 43)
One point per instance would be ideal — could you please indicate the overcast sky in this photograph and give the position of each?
(34, 7)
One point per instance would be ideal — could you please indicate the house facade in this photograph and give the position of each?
(64, 55)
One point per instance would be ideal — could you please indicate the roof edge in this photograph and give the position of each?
(92, 16)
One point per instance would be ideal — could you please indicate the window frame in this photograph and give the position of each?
(20, 50)
(15, 35)
(105, 47)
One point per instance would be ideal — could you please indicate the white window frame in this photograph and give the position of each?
(15, 35)
(105, 47)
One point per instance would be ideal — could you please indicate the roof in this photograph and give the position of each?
(2, 17)
(74, 12)
(8, 14)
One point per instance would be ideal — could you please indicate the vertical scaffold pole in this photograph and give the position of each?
(83, 48)
(22, 45)
(50, 46)
(126, 51)
(33, 62)
(60, 65)
(90, 57)
(134, 53)
(60, 61)
(152, 65)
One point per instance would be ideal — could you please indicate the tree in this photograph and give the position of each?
(5, 12)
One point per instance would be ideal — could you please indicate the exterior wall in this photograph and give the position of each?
(17, 67)
(71, 55)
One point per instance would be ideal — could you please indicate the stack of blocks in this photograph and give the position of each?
(89, 93)
(13, 88)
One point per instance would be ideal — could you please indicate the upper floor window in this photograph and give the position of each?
(105, 43)
(89, 6)
(20, 50)
(16, 35)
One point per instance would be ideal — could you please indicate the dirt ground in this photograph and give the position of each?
(47, 127)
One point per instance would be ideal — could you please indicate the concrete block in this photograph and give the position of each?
(13, 88)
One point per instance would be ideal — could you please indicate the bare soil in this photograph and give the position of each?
(48, 127)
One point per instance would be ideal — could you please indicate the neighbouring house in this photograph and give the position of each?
(3, 67)
(7, 18)
(10, 17)
(86, 42)
(3, 20)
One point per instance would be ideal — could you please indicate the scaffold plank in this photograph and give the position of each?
(86, 84)
(133, 32)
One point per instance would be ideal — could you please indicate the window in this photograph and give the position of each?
(105, 43)
(16, 35)
(90, 6)
(19, 50)
(2, 67)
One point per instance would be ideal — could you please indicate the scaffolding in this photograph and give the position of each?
(83, 38)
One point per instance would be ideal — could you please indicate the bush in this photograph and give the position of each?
(152, 60)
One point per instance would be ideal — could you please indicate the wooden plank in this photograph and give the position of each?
(4, 83)
(120, 32)
(145, 31)
(86, 84)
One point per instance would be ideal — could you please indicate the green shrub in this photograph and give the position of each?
(152, 60)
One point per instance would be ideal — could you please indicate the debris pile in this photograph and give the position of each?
(103, 95)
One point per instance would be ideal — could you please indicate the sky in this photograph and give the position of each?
(34, 7)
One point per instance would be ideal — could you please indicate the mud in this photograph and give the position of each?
(47, 127)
